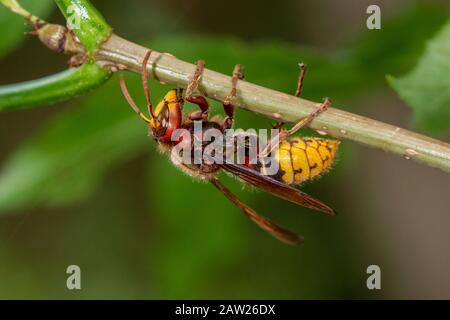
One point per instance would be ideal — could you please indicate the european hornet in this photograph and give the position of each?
(299, 158)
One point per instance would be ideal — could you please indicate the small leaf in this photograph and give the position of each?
(13, 26)
(427, 88)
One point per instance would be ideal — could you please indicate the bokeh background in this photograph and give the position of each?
(81, 183)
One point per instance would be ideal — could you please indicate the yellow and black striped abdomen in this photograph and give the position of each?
(303, 158)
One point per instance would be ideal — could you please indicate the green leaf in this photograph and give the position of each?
(400, 42)
(13, 26)
(427, 88)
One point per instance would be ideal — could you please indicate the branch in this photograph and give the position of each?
(280, 106)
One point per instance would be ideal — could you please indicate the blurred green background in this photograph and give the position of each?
(81, 183)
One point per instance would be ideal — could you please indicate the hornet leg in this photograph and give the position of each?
(298, 90)
(227, 104)
(199, 100)
(284, 134)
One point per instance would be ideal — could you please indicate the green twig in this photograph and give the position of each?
(59, 87)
